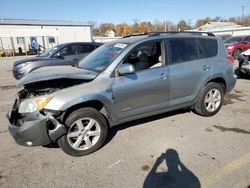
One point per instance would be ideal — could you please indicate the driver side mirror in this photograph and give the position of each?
(126, 69)
(58, 55)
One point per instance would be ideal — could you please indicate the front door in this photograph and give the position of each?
(67, 56)
(147, 90)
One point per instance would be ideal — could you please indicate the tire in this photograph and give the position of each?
(86, 132)
(210, 100)
(237, 53)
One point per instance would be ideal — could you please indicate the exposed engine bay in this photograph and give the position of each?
(46, 87)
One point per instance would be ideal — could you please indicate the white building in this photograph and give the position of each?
(110, 33)
(218, 26)
(105, 39)
(224, 28)
(27, 34)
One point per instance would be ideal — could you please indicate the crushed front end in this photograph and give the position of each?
(35, 128)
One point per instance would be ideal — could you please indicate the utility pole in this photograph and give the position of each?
(243, 14)
(165, 23)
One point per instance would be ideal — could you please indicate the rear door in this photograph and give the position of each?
(189, 69)
(67, 55)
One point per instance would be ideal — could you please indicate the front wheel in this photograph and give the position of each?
(211, 100)
(86, 132)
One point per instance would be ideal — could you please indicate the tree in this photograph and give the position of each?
(218, 19)
(146, 27)
(238, 20)
(105, 27)
(136, 28)
(202, 22)
(233, 19)
(182, 25)
(123, 29)
(158, 26)
(97, 32)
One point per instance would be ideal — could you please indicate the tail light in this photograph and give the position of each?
(229, 57)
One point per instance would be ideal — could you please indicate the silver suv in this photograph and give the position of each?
(124, 80)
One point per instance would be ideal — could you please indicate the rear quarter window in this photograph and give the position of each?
(208, 47)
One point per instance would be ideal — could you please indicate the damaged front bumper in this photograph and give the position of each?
(34, 129)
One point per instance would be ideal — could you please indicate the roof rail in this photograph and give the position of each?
(134, 35)
(181, 32)
(151, 34)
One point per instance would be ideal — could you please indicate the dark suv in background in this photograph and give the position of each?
(62, 54)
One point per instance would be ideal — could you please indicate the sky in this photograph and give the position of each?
(126, 11)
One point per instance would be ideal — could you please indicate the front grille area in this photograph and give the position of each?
(14, 115)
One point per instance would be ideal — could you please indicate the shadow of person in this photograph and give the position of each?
(177, 174)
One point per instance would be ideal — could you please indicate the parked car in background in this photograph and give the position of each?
(236, 45)
(244, 66)
(124, 80)
(62, 54)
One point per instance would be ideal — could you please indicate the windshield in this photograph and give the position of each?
(49, 51)
(233, 39)
(102, 57)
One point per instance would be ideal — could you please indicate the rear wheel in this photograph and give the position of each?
(86, 132)
(211, 100)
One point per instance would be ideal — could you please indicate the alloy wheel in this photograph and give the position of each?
(83, 133)
(212, 100)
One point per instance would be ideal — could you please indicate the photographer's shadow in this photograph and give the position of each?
(176, 176)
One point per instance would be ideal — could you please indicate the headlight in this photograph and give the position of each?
(23, 64)
(229, 47)
(31, 105)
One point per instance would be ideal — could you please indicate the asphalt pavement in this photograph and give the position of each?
(177, 148)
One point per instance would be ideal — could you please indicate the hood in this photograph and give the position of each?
(56, 72)
(37, 58)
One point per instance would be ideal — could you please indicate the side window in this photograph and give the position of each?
(183, 50)
(146, 56)
(85, 48)
(68, 50)
(208, 47)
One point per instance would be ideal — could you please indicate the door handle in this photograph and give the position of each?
(206, 67)
(163, 76)
(75, 59)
